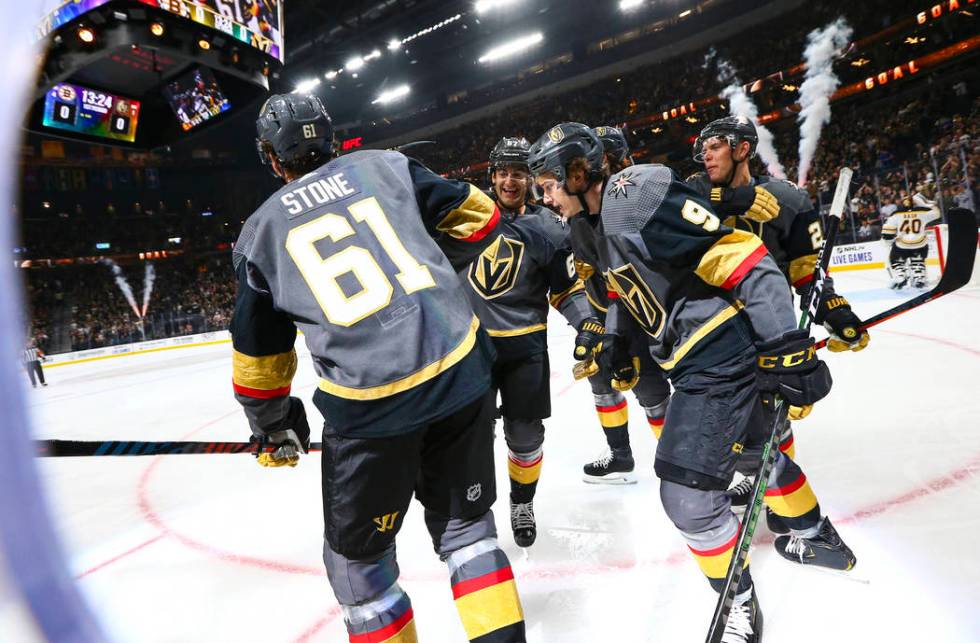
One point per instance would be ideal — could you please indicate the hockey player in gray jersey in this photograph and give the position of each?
(510, 286)
(632, 368)
(782, 215)
(361, 253)
(714, 308)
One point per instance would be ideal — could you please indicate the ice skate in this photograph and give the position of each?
(610, 468)
(823, 549)
(522, 523)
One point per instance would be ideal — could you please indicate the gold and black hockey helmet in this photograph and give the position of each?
(614, 142)
(294, 126)
(733, 129)
(560, 145)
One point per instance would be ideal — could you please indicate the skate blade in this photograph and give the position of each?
(845, 574)
(617, 478)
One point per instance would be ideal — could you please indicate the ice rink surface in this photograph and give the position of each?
(215, 548)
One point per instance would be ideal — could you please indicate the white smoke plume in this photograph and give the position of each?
(819, 83)
(120, 278)
(148, 278)
(740, 104)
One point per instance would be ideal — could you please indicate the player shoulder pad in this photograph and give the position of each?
(633, 195)
(787, 193)
(700, 182)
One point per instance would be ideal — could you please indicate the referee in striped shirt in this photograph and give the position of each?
(32, 362)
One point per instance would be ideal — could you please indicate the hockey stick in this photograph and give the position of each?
(770, 449)
(69, 448)
(960, 257)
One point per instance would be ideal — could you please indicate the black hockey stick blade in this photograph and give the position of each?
(960, 257)
(72, 448)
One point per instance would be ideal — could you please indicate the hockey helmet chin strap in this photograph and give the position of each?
(733, 145)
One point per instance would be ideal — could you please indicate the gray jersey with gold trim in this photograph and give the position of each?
(342, 254)
(527, 267)
(701, 291)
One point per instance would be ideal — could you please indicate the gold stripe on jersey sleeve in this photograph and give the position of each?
(713, 323)
(469, 217)
(514, 332)
(267, 372)
(726, 256)
(802, 267)
(562, 296)
(420, 376)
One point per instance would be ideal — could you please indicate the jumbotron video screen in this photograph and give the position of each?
(257, 23)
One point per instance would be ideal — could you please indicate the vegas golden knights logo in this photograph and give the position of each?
(638, 299)
(386, 522)
(495, 271)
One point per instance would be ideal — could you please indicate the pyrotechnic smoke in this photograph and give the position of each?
(819, 84)
(127, 292)
(148, 278)
(741, 105)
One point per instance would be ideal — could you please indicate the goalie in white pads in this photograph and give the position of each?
(905, 233)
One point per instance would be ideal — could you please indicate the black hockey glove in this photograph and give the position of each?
(789, 367)
(755, 203)
(616, 359)
(843, 325)
(590, 333)
(287, 440)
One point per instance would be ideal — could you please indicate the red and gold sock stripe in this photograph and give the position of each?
(402, 630)
(524, 471)
(788, 446)
(792, 499)
(613, 416)
(714, 562)
(488, 603)
(656, 425)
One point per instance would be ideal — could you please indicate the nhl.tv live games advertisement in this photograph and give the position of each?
(92, 112)
(257, 23)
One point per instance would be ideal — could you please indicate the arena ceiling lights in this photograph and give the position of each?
(392, 95)
(482, 6)
(626, 5)
(512, 47)
(305, 86)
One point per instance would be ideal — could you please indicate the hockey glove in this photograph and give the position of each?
(282, 446)
(624, 367)
(755, 203)
(843, 325)
(789, 367)
(590, 333)
(583, 270)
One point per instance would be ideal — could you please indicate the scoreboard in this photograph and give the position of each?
(257, 23)
(88, 111)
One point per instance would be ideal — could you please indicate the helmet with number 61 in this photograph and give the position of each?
(295, 133)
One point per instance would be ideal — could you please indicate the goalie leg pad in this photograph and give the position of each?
(375, 607)
(705, 520)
